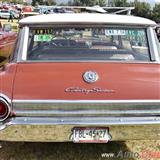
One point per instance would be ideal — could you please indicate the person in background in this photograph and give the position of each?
(20, 15)
(11, 16)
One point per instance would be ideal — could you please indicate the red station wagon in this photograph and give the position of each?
(83, 78)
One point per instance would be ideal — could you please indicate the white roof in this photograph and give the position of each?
(97, 9)
(86, 18)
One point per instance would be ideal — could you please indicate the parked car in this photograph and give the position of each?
(61, 10)
(83, 78)
(6, 13)
(7, 42)
(27, 14)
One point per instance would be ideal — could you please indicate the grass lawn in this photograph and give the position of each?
(70, 151)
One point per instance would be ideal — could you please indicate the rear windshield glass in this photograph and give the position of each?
(111, 44)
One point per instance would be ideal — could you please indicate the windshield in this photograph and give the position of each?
(88, 43)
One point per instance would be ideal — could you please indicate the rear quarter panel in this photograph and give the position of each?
(7, 79)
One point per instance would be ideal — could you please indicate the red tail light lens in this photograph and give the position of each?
(3, 109)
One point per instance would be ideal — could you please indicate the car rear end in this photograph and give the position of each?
(82, 82)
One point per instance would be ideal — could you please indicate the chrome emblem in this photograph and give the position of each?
(90, 77)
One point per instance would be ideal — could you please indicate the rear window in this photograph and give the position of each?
(88, 43)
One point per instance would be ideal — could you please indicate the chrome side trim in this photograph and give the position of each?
(21, 43)
(88, 61)
(84, 121)
(153, 45)
(60, 129)
(89, 101)
(82, 113)
(8, 100)
(25, 43)
(83, 108)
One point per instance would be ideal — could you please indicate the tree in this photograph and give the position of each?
(50, 2)
(89, 2)
(156, 13)
(37, 2)
(142, 9)
(16, 1)
(43, 2)
(121, 3)
(102, 3)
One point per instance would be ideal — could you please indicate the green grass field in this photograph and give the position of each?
(70, 151)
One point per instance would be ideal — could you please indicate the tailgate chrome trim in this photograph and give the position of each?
(89, 113)
(83, 108)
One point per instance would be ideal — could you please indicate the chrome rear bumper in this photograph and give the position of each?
(60, 129)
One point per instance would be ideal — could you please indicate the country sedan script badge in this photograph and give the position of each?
(90, 76)
(87, 91)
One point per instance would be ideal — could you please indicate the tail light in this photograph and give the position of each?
(4, 110)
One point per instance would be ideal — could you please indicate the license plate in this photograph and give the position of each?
(91, 135)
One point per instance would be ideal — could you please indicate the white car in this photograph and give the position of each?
(5, 14)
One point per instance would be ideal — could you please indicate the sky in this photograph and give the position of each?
(149, 1)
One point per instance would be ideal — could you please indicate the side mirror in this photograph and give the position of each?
(7, 27)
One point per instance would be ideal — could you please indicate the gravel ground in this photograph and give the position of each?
(70, 151)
